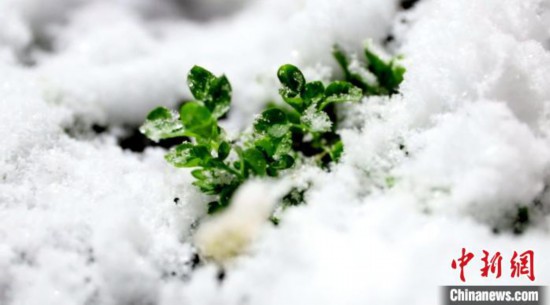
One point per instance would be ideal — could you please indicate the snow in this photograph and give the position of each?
(501, 164)
(466, 143)
(226, 235)
(315, 120)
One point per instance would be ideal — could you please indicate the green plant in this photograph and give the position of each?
(280, 136)
(375, 76)
(270, 147)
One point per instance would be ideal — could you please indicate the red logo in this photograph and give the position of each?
(520, 264)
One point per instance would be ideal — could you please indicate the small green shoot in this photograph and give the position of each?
(280, 136)
(270, 149)
(375, 76)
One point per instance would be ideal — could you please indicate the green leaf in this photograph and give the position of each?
(162, 123)
(293, 82)
(159, 113)
(291, 78)
(237, 165)
(342, 60)
(214, 181)
(223, 151)
(273, 122)
(219, 96)
(340, 92)
(389, 74)
(313, 93)
(207, 187)
(199, 80)
(395, 78)
(255, 160)
(198, 122)
(274, 147)
(376, 64)
(199, 174)
(188, 155)
(354, 77)
(213, 92)
(336, 151)
(295, 102)
(267, 145)
(284, 162)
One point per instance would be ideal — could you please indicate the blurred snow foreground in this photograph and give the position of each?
(464, 145)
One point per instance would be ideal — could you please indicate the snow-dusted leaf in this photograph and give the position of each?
(211, 91)
(293, 82)
(199, 80)
(274, 147)
(273, 122)
(316, 120)
(313, 93)
(188, 155)
(388, 73)
(284, 162)
(341, 92)
(219, 96)
(162, 123)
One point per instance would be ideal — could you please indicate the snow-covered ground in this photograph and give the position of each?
(83, 221)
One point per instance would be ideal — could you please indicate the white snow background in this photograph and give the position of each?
(85, 222)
